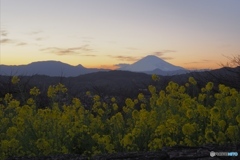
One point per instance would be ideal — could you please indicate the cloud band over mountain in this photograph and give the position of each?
(68, 51)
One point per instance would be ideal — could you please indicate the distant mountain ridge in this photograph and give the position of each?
(149, 65)
(49, 68)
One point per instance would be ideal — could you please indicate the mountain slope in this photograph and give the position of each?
(150, 64)
(49, 68)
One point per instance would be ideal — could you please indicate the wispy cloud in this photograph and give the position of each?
(201, 61)
(6, 41)
(12, 41)
(162, 53)
(21, 44)
(40, 38)
(67, 51)
(120, 65)
(37, 35)
(158, 54)
(125, 58)
(3, 33)
(89, 55)
(206, 60)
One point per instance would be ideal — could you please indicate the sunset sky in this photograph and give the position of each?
(107, 33)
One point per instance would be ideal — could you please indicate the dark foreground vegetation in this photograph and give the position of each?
(139, 117)
(120, 84)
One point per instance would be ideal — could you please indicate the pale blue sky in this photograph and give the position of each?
(104, 33)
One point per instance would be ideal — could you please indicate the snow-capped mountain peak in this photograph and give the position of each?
(150, 63)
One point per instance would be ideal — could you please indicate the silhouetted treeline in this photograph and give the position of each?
(118, 84)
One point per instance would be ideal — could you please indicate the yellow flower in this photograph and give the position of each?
(210, 136)
(192, 80)
(129, 103)
(238, 118)
(143, 106)
(156, 144)
(96, 98)
(155, 77)
(152, 89)
(51, 91)
(34, 91)
(188, 141)
(88, 93)
(222, 124)
(226, 90)
(141, 97)
(218, 96)
(201, 97)
(200, 140)
(127, 140)
(15, 80)
(8, 97)
(44, 146)
(233, 133)
(136, 132)
(203, 90)
(215, 113)
(221, 138)
(171, 125)
(209, 86)
(14, 103)
(76, 102)
(9, 146)
(105, 105)
(221, 87)
(30, 101)
(181, 89)
(109, 147)
(229, 113)
(125, 109)
(189, 113)
(188, 129)
(113, 99)
(115, 106)
(135, 101)
(135, 114)
(202, 110)
(161, 130)
(64, 150)
(12, 132)
(100, 112)
(61, 88)
(4, 145)
(96, 137)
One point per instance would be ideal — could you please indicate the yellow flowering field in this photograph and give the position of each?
(168, 117)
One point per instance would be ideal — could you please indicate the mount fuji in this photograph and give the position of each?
(153, 65)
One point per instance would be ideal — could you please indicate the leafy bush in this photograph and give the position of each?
(166, 118)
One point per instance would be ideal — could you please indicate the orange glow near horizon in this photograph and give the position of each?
(96, 63)
(100, 34)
